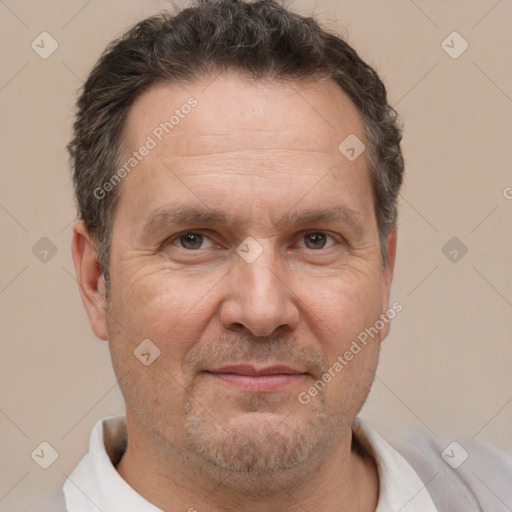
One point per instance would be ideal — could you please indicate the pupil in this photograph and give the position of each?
(317, 239)
(191, 241)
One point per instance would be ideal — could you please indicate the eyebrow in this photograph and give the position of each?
(182, 215)
(337, 214)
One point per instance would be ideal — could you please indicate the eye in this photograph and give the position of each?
(192, 241)
(316, 240)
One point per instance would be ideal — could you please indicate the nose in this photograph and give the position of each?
(259, 300)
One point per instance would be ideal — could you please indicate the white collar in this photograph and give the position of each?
(95, 485)
(400, 486)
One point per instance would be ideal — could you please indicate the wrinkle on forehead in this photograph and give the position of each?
(233, 110)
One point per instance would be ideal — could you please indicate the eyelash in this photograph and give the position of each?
(177, 237)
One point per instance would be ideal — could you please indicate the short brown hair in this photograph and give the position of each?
(261, 39)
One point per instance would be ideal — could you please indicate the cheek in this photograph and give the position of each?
(340, 312)
(340, 317)
(170, 311)
(157, 310)
(340, 308)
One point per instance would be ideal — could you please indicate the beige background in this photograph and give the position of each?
(445, 366)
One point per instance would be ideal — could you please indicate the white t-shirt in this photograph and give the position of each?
(96, 485)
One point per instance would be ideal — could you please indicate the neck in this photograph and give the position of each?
(342, 478)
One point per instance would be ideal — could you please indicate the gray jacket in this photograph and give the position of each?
(463, 476)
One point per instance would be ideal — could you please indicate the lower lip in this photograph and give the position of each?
(259, 383)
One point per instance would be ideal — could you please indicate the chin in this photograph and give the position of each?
(254, 444)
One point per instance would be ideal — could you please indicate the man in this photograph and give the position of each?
(236, 171)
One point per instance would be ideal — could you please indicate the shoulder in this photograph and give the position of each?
(460, 474)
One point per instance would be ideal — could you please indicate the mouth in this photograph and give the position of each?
(257, 380)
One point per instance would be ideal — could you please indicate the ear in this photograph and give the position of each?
(90, 279)
(387, 276)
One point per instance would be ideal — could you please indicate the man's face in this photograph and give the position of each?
(240, 336)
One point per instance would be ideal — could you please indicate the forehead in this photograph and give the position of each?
(249, 136)
(315, 116)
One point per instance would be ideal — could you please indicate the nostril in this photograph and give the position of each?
(259, 335)
(237, 326)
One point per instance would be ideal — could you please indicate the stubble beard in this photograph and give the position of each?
(255, 450)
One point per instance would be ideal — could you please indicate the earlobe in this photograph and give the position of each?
(90, 278)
